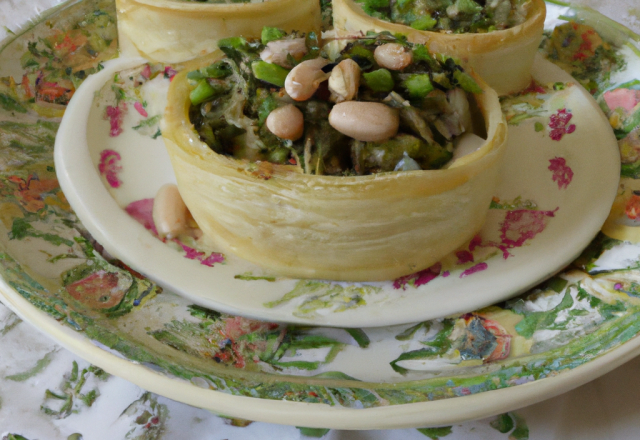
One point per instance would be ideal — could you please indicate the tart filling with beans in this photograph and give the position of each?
(450, 15)
(364, 160)
(498, 39)
(360, 105)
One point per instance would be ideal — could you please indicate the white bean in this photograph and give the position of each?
(365, 121)
(304, 79)
(170, 214)
(392, 56)
(278, 51)
(344, 81)
(286, 122)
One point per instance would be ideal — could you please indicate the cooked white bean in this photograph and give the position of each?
(286, 122)
(277, 52)
(344, 81)
(392, 56)
(304, 79)
(170, 214)
(465, 144)
(365, 121)
(458, 101)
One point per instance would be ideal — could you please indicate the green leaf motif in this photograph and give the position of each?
(359, 336)
(149, 418)
(541, 320)
(71, 392)
(15, 437)
(436, 433)
(313, 432)
(511, 422)
(248, 276)
(319, 295)
(21, 229)
(10, 322)
(503, 423)
(10, 104)
(35, 370)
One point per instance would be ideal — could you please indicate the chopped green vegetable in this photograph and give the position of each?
(271, 34)
(424, 23)
(418, 85)
(232, 43)
(237, 94)
(467, 6)
(379, 80)
(466, 82)
(268, 72)
(202, 92)
(217, 70)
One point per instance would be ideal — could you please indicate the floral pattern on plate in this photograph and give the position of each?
(49, 260)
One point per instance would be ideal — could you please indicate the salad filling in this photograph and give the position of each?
(457, 16)
(223, 2)
(359, 105)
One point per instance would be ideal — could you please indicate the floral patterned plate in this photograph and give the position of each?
(560, 176)
(572, 328)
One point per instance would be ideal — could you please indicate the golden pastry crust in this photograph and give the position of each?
(353, 228)
(502, 58)
(171, 31)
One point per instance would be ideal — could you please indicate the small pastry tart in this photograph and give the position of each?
(502, 57)
(173, 31)
(368, 166)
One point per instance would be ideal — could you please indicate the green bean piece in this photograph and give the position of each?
(424, 23)
(379, 80)
(418, 85)
(468, 6)
(232, 42)
(268, 72)
(267, 105)
(467, 82)
(279, 155)
(217, 70)
(270, 34)
(202, 92)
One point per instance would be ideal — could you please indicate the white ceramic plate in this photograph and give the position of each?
(547, 225)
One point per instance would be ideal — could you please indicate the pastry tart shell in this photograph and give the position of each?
(173, 31)
(355, 228)
(502, 58)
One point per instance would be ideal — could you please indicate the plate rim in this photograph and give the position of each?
(319, 415)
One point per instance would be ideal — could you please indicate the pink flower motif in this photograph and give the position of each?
(191, 253)
(475, 242)
(475, 269)
(215, 257)
(559, 124)
(110, 167)
(146, 71)
(194, 254)
(464, 257)
(140, 108)
(522, 225)
(419, 278)
(562, 174)
(115, 116)
(142, 212)
(170, 72)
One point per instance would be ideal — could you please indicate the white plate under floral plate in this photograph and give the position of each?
(558, 182)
